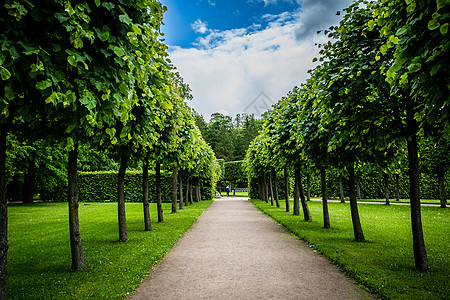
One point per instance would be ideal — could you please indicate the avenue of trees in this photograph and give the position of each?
(92, 77)
(381, 90)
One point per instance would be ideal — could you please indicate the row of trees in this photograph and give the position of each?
(97, 74)
(382, 84)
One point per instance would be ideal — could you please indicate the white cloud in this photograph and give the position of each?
(228, 70)
(200, 27)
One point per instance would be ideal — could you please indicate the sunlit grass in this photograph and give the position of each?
(39, 256)
(384, 263)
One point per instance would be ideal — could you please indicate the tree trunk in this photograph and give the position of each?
(28, 184)
(3, 214)
(260, 192)
(308, 187)
(265, 192)
(199, 190)
(147, 219)
(174, 189)
(76, 247)
(420, 253)
(357, 229)
(341, 190)
(326, 216)
(306, 213)
(277, 198)
(296, 195)
(358, 187)
(397, 187)
(158, 192)
(180, 184)
(187, 192)
(286, 188)
(191, 194)
(441, 181)
(386, 187)
(271, 188)
(123, 236)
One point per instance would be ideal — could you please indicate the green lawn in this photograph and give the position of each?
(39, 255)
(384, 264)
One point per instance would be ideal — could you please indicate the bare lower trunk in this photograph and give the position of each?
(191, 194)
(76, 247)
(271, 188)
(357, 229)
(147, 219)
(341, 190)
(123, 236)
(265, 192)
(296, 195)
(326, 216)
(286, 188)
(174, 188)
(28, 184)
(158, 192)
(3, 214)
(306, 213)
(420, 253)
(180, 184)
(275, 180)
(397, 187)
(441, 181)
(308, 187)
(386, 187)
(187, 192)
(358, 187)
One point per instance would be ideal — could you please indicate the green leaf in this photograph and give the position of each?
(88, 100)
(435, 69)
(433, 24)
(118, 51)
(444, 29)
(42, 85)
(383, 49)
(9, 93)
(97, 2)
(371, 24)
(4, 73)
(70, 144)
(72, 60)
(394, 40)
(70, 128)
(414, 67)
(125, 19)
(401, 31)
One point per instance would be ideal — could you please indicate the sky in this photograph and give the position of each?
(242, 56)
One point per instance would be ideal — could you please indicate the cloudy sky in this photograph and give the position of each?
(240, 56)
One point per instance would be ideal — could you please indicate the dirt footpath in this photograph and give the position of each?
(236, 252)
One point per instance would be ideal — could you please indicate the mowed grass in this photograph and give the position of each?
(39, 259)
(384, 264)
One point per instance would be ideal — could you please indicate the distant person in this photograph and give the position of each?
(227, 189)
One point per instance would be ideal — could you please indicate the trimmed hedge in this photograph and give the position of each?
(371, 184)
(102, 186)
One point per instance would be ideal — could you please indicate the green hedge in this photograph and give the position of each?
(371, 184)
(102, 186)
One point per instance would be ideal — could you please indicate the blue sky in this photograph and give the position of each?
(234, 54)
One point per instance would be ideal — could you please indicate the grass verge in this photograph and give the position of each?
(39, 255)
(384, 264)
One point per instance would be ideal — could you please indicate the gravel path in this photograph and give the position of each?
(236, 252)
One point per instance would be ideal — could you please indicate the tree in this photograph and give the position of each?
(417, 32)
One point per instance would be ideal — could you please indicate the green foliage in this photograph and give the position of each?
(102, 186)
(384, 263)
(38, 264)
